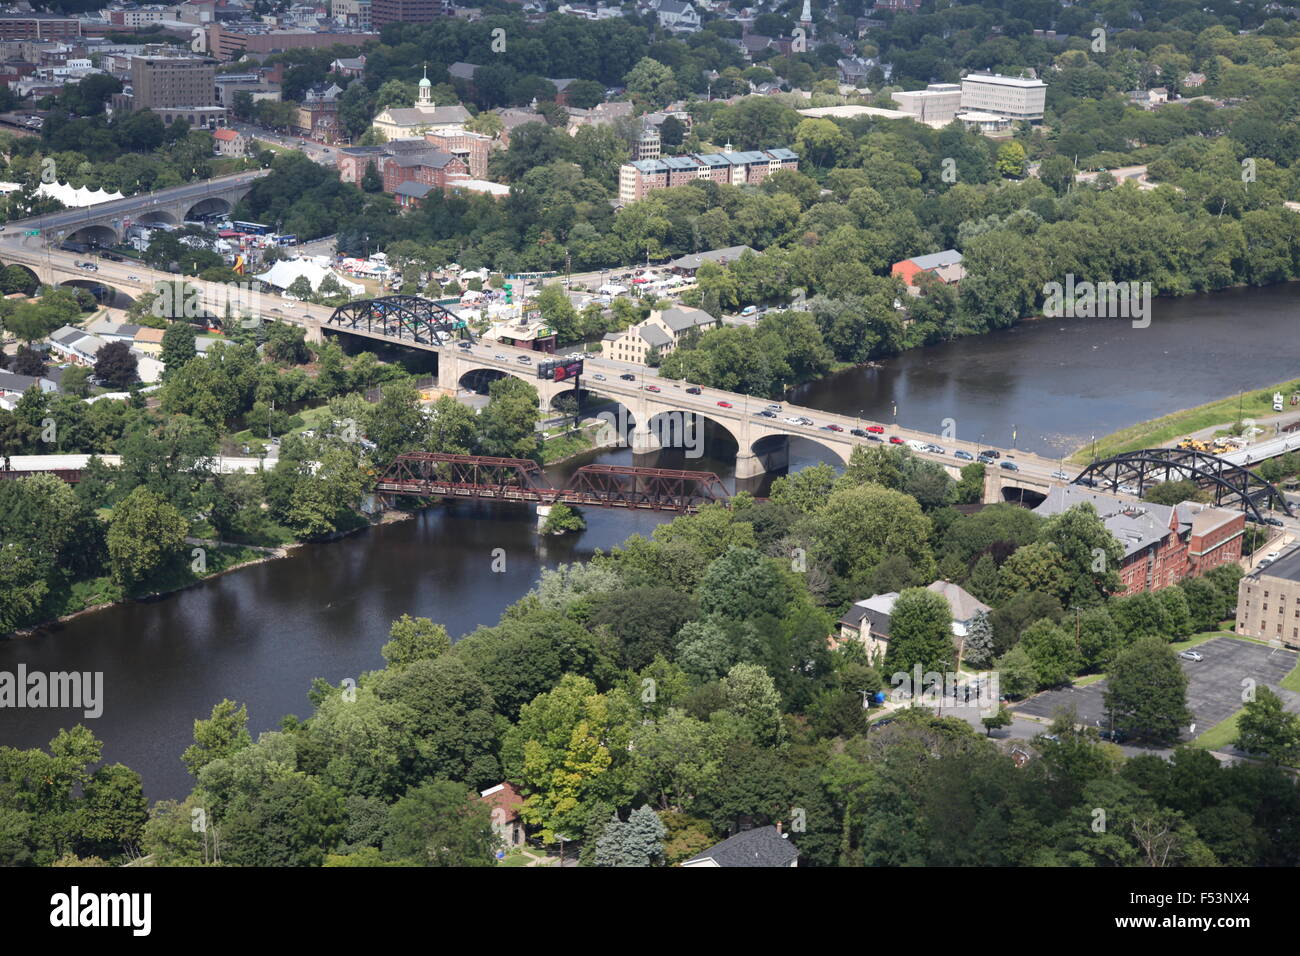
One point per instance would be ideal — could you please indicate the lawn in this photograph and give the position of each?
(1221, 735)
(1160, 431)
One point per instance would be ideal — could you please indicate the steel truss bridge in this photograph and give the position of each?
(438, 475)
(408, 317)
(1231, 484)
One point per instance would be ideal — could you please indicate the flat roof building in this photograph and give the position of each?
(1014, 97)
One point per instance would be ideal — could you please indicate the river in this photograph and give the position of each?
(260, 635)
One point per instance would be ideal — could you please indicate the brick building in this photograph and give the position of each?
(637, 179)
(1162, 544)
(432, 167)
(472, 149)
(408, 11)
(352, 161)
(1268, 601)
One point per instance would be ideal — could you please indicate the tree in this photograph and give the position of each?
(76, 381)
(1264, 727)
(441, 823)
(1018, 676)
(28, 361)
(978, 649)
(996, 721)
(221, 735)
(920, 633)
(651, 84)
(116, 365)
(371, 181)
(1052, 652)
(1147, 693)
(751, 695)
(413, 639)
(563, 519)
(177, 346)
(638, 842)
(1011, 160)
(145, 534)
(507, 426)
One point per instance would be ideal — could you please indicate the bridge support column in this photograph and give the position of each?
(644, 441)
(314, 333)
(749, 465)
(543, 512)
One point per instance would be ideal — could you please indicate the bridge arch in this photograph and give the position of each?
(96, 234)
(34, 281)
(1231, 484)
(155, 216)
(211, 206)
(775, 442)
(690, 431)
(104, 293)
(478, 380)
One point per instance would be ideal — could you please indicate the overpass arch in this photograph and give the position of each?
(96, 234)
(34, 281)
(156, 216)
(104, 293)
(478, 380)
(691, 432)
(802, 445)
(211, 206)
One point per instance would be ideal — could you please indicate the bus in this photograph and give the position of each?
(284, 240)
(253, 228)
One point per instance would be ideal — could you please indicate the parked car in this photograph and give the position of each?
(1190, 655)
(749, 310)
(1010, 466)
(1114, 736)
(963, 455)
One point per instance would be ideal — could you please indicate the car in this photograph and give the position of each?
(651, 388)
(1060, 475)
(1275, 522)
(749, 310)
(963, 455)
(874, 438)
(137, 279)
(765, 413)
(1052, 737)
(1273, 555)
(990, 453)
(1114, 736)
(1088, 482)
(1009, 466)
(500, 358)
(524, 360)
(277, 311)
(876, 429)
(935, 450)
(725, 405)
(774, 408)
(1264, 563)
(598, 377)
(833, 428)
(985, 458)
(794, 420)
(858, 432)
(694, 390)
(1190, 655)
(895, 440)
(1128, 489)
(628, 377)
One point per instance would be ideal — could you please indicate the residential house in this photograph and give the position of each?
(1193, 81)
(761, 846)
(505, 802)
(676, 15)
(229, 142)
(349, 66)
(75, 345)
(944, 265)
(13, 385)
(659, 334)
(147, 341)
(867, 622)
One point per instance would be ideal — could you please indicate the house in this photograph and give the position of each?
(854, 70)
(689, 265)
(349, 66)
(505, 802)
(867, 622)
(1162, 544)
(1193, 81)
(675, 15)
(659, 334)
(13, 385)
(147, 341)
(75, 345)
(937, 263)
(229, 142)
(761, 846)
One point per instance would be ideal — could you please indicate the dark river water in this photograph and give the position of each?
(260, 635)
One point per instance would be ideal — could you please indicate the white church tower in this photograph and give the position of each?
(426, 91)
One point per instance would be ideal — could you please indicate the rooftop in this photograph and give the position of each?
(762, 846)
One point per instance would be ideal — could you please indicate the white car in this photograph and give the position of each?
(500, 358)
(1128, 489)
(794, 421)
(1060, 475)
(774, 408)
(1192, 656)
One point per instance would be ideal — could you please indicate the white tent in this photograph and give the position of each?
(74, 197)
(283, 273)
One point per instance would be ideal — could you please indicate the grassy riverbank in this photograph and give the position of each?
(1160, 431)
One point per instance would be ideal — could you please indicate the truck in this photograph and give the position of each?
(915, 445)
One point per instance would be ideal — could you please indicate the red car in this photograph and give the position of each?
(876, 429)
(895, 440)
(651, 388)
(834, 428)
(724, 404)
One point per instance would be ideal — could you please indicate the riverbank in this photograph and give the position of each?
(1223, 412)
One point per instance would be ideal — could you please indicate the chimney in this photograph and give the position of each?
(779, 826)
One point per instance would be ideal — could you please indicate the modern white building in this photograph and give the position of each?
(936, 105)
(1011, 96)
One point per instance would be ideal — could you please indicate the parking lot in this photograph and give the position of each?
(1214, 685)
